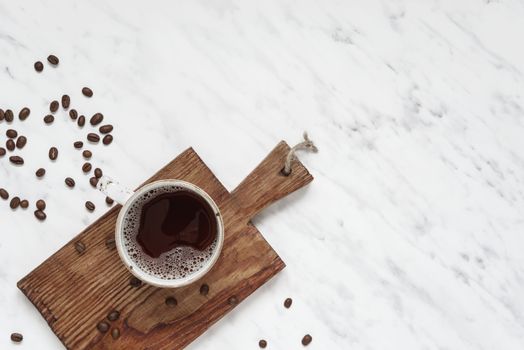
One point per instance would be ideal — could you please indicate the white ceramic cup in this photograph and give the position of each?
(126, 198)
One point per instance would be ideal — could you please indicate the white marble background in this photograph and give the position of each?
(411, 235)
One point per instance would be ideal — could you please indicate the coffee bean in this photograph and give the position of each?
(78, 144)
(113, 315)
(92, 137)
(70, 182)
(9, 115)
(39, 66)
(40, 204)
(66, 101)
(4, 194)
(53, 106)
(11, 133)
(87, 92)
(107, 139)
(53, 153)
(24, 113)
(288, 302)
(96, 119)
(10, 145)
(21, 142)
(16, 160)
(115, 333)
(73, 114)
(135, 282)
(81, 121)
(90, 206)
(171, 301)
(40, 172)
(2, 114)
(106, 129)
(262, 343)
(86, 167)
(15, 202)
(110, 243)
(102, 327)
(93, 181)
(40, 215)
(204, 289)
(109, 201)
(306, 340)
(233, 300)
(98, 173)
(24, 204)
(53, 60)
(80, 247)
(2, 151)
(48, 119)
(17, 337)
(87, 154)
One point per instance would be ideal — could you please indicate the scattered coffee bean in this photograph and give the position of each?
(113, 315)
(40, 215)
(53, 153)
(262, 343)
(15, 202)
(109, 201)
(17, 337)
(96, 119)
(93, 181)
(66, 101)
(21, 142)
(106, 129)
(288, 302)
(2, 114)
(80, 247)
(73, 114)
(92, 137)
(87, 92)
(204, 289)
(110, 243)
(48, 119)
(24, 113)
(233, 300)
(98, 173)
(87, 154)
(102, 327)
(90, 206)
(81, 121)
(135, 282)
(40, 204)
(39, 66)
(4, 194)
(171, 301)
(24, 204)
(107, 139)
(78, 144)
(10, 145)
(307, 340)
(9, 115)
(70, 182)
(2, 151)
(16, 160)
(11, 133)
(115, 333)
(86, 167)
(53, 60)
(53, 106)
(40, 172)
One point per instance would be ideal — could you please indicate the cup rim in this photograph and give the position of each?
(137, 271)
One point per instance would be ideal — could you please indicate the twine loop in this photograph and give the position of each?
(306, 145)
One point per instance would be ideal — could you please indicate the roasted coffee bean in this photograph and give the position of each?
(93, 181)
(40, 204)
(4, 194)
(24, 204)
(11, 133)
(102, 327)
(81, 121)
(109, 201)
(16, 160)
(87, 92)
(40, 215)
(70, 182)
(98, 173)
(48, 119)
(106, 129)
(262, 343)
(87, 154)
(86, 167)
(53, 106)
(288, 302)
(66, 101)
(96, 119)
(39, 66)
(110, 243)
(10, 145)
(90, 206)
(15, 202)
(135, 282)
(80, 247)
(40, 172)
(115, 333)
(307, 340)
(78, 144)
(53, 153)
(21, 142)
(53, 60)
(2, 151)
(92, 137)
(9, 115)
(2, 114)
(171, 301)
(24, 113)
(107, 139)
(73, 114)
(233, 300)
(17, 337)
(204, 289)
(113, 315)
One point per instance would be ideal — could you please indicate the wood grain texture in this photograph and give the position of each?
(74, 292)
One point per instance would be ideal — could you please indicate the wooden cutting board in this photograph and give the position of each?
(75, 291)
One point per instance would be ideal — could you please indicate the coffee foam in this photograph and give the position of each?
(178, 263)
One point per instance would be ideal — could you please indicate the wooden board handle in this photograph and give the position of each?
(267, 184)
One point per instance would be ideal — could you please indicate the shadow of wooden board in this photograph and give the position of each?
(74, 292)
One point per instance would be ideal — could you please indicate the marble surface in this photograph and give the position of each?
(411, 235)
